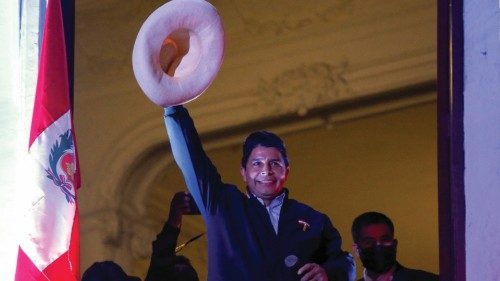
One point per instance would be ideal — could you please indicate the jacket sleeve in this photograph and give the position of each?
(339, 265)
(200, 175)
(161, 266)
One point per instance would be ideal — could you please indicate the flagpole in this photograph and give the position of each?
(68, 11)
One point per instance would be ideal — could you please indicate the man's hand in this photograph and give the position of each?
(312, 272)
(178, 206)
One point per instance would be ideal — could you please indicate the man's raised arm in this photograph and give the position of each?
(200, 175)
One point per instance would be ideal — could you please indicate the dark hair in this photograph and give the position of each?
(105, 271)
(184, 271)
(262, 138)
(366, 219)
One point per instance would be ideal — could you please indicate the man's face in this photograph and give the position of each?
(376, 248)
(375, 234)
(265, 172)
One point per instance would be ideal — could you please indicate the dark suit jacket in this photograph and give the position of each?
(406, 274)
(242, 244)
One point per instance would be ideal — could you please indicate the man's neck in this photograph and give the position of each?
(265, 201)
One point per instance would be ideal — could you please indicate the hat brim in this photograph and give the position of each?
(198, 24)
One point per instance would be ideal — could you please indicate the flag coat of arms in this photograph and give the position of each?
(49, 246)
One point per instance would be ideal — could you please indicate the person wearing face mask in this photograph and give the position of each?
(375, 245)
(259, 234)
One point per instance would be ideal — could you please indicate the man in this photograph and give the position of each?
(259, 235)
(374, 244)
(165, 265)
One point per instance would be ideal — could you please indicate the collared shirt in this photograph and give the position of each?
(274, 209)
(383, 277)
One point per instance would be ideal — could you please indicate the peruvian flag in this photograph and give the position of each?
(49, 248)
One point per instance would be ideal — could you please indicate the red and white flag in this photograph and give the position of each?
(49, 248)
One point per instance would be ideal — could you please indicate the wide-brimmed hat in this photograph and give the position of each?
(178, 51)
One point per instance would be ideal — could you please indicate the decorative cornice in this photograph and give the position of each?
(301, 89)
(121, 233)
(140, 240)
(282, 24)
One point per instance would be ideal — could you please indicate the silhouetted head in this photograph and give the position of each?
(107, 271)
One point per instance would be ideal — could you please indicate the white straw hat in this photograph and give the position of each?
(178, 51)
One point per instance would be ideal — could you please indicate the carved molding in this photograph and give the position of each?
(282, 24)
(139, 241)
(121, 234)
(301, 89)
